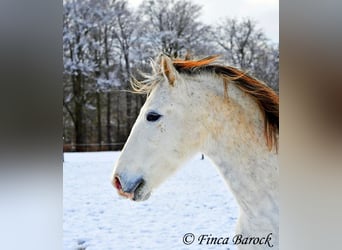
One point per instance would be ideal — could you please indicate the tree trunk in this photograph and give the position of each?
(118, 123)
(99, 123)
(109, 139)
(129, 111)
(80, 130)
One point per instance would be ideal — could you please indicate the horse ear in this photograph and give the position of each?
(168, 70)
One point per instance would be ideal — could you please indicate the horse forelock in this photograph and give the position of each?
(265, 97)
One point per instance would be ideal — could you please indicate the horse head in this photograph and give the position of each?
(162, 138)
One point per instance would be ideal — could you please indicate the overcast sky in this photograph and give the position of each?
(264, 12)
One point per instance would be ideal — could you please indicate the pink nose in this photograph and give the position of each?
(127, 188)
(118, 186)
(117, 183)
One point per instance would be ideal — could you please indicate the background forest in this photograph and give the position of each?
(106, 42)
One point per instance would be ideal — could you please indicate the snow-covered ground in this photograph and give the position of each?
(194, 200)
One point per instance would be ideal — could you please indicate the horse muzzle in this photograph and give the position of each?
(133, 189)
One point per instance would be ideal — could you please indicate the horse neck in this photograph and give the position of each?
(235, 142)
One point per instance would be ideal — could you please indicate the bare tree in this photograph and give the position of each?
(77, 65)
(88, 61)
(267, 68)
(246, 46)
(172, 26)
(126, 34)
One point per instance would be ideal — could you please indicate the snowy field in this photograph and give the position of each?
(194, 200)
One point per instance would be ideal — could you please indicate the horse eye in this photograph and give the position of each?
(152, 116)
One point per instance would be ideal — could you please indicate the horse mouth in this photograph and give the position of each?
(140, 193)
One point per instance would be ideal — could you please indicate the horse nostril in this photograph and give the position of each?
(139, 184)
(117, 183)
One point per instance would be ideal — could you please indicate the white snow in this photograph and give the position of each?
(195, 199)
